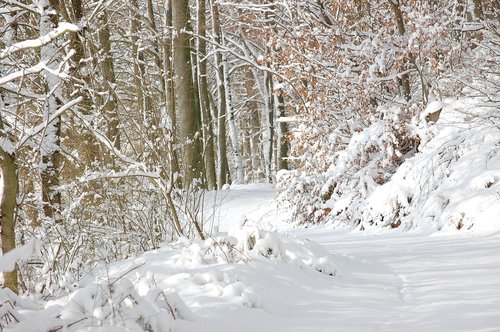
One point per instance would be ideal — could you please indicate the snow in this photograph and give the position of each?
(62, 28)
(255, 273)
(21, 73)
(445, 179)
(453, 182)
(434, 283)
(287, 119)
(8, 261)
(6, 145)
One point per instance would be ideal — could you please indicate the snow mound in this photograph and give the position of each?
(167, 288)
(452, 183)
(440, 172)
(249, 243)
(119, 305)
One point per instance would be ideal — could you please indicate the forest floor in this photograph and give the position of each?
(313, 279)
(384, 282)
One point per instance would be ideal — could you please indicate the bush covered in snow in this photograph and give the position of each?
(452, 182)
(149, 293)
(352, 171)
(250, 244)
(360, 118)
(119, 305)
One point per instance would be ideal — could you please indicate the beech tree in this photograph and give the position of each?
(8, 202)
(189, 115)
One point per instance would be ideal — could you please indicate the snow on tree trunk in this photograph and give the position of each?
(209, 149)
(108, 73)
(224, 175)
(8, 194)
(50, 148)
(233, 134)
(189, 117)
(268, 126)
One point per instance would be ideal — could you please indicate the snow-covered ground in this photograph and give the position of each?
(414, 283)
(257, 279)
(386, 282)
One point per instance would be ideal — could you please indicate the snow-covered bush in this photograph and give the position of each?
(250, 244)
(119, 305)
(454, 180)
(361, 95)
(368, 160)
(113, 220)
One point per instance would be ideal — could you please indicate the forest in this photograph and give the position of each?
(123, 122)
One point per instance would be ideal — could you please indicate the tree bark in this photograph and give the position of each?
(404, 80)
(10, 184)
(142, 98)
(269, 125)
(169, 87)
(86, 143)
(51, 155)
(189, 117)
(282, 141)
(233, 133)
(252, 134)
(478, 10)
(108, 75)
(224, 175)
(209, 149)
(8, 206)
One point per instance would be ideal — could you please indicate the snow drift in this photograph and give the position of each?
(453, 182)
(450, 183)
(164, 289)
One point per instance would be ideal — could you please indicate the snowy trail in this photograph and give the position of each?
(383, 283)
(388, 282)
(446, 283)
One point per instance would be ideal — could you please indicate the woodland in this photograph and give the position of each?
(119, 118)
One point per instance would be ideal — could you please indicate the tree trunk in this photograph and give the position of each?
(10, 185)
(86, 142)
(252, 127)
(169, 87)
(269, 126)
(108, 74)
(209, 151)
(189, 117)
(282, 141)
(142, 98)
(50, 150)
(404, 81)
(224, 175)
(233, 134)
(8, 177)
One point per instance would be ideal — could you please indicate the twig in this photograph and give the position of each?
(127, 272)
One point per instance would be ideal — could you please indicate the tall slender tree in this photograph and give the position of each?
(9, 182)
(189, 116)
(224, 176)
(207, 125)
(51, 143)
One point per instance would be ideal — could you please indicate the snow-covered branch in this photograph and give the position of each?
(19, 4)
(20, 73)
(38, 42)
(35, 70)
(36, 130)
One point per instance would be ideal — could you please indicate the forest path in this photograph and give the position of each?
(446, 282)
(385, 282)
